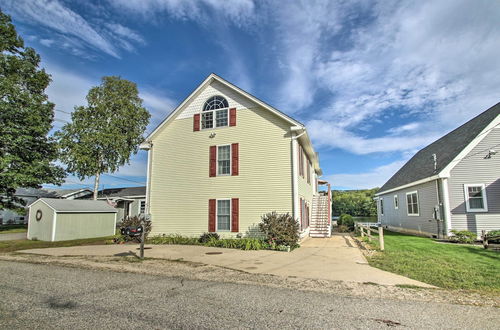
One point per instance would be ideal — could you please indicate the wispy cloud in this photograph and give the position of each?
(72, 30)
(374, 178)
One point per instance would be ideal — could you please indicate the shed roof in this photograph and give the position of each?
(77, 205)
(446, 149)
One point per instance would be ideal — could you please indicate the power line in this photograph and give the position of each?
(119, 178)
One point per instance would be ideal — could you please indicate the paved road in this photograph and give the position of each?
(46, 296)
(13, 236)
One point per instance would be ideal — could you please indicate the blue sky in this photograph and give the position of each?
(374, 81)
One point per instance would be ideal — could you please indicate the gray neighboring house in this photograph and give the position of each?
(452, 184)
(128, 201)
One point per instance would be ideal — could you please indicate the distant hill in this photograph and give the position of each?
(358, 203)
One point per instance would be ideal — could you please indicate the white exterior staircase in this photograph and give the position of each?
(320, 225)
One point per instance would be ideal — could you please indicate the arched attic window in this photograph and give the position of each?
(215, 112)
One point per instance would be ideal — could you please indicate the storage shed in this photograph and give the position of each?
(62, 219)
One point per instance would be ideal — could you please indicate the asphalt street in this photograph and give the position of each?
(52, 297)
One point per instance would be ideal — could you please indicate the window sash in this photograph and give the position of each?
(412, 203)
(224, 215)
(396, 202)
(142, 207)
(224, 160)
(381, 206)
(215, 118)
(475, 197)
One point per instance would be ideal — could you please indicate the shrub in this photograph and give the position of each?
(493, 233)
(280, 229)
(205, 237)
(173, 239)
(346, 220)
(135, 221)
(463, 236)
(342, 229)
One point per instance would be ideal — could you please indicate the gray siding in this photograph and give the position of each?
(42, 229)
(399, 219)
(476, 169)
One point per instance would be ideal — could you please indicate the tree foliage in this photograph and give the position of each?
(104, 134)
(358, 203)
(26, 151)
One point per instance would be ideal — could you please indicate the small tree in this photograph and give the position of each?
(104, 134)
(26, 151)
(280, 229)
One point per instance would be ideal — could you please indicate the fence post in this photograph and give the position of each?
(381, 237)
(369, 232)
(362, 231)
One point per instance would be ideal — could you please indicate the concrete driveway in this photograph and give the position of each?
(12, 237)
(336, 258)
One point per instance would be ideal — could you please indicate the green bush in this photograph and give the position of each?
(346, 220)
(280, 229)
(463, 236)
(205, 237)
(238, 243)
(493, 233)
(173, 239)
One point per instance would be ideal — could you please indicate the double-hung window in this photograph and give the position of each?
(412, 203)
(142, 207)
(475, 198)
(396, 202)
(381, 206)
(224, 160)
(223, 215)
(215, 113)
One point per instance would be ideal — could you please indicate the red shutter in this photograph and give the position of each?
(235, 158)
(301, 215)
(196, 122)
(211, 215)
(213, 161)
(232, 117)
(235, 215)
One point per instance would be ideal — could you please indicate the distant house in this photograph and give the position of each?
(223, 158)
(452, 184)
(29, 195)
(128, 201)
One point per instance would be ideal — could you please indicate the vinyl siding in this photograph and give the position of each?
(84, 225)
(424, 223)
(40, 230)
(180, 186)
(476, 169)
(306, 189)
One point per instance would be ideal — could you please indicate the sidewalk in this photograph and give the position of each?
(336, 258)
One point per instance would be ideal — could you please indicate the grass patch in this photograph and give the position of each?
(444, 265)
(15, 245)
(11, 229)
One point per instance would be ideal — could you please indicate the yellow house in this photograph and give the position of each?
(223, 158)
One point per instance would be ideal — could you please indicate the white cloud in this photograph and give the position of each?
(371, 179)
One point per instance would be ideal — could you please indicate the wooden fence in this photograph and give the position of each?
(367, 226)
(486, 237)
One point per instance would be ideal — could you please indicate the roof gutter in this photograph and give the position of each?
(414, 183)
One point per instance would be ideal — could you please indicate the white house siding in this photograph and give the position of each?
(476, 169)
(398, 219)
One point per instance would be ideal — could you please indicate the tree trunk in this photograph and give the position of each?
(96, 184)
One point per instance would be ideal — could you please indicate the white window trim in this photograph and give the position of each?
(485, 198)
(139, 208)
(214, 121)
(217, 215)
(418, 204)
(230, 159)
(381, 202)
(396, 202)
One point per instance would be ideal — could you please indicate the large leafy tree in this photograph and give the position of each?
(358, 203)
(104, 134)
(26, 151)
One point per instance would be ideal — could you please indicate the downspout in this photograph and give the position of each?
(446, 204)
(295, 177)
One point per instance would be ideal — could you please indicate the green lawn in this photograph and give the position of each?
(10, 246)
(10, 229)
(444, 265)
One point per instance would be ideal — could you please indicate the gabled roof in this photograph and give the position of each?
(122, 192)
(77, 205)
(446, 149)
(33, 192)
(213, 77)
(65, 193)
